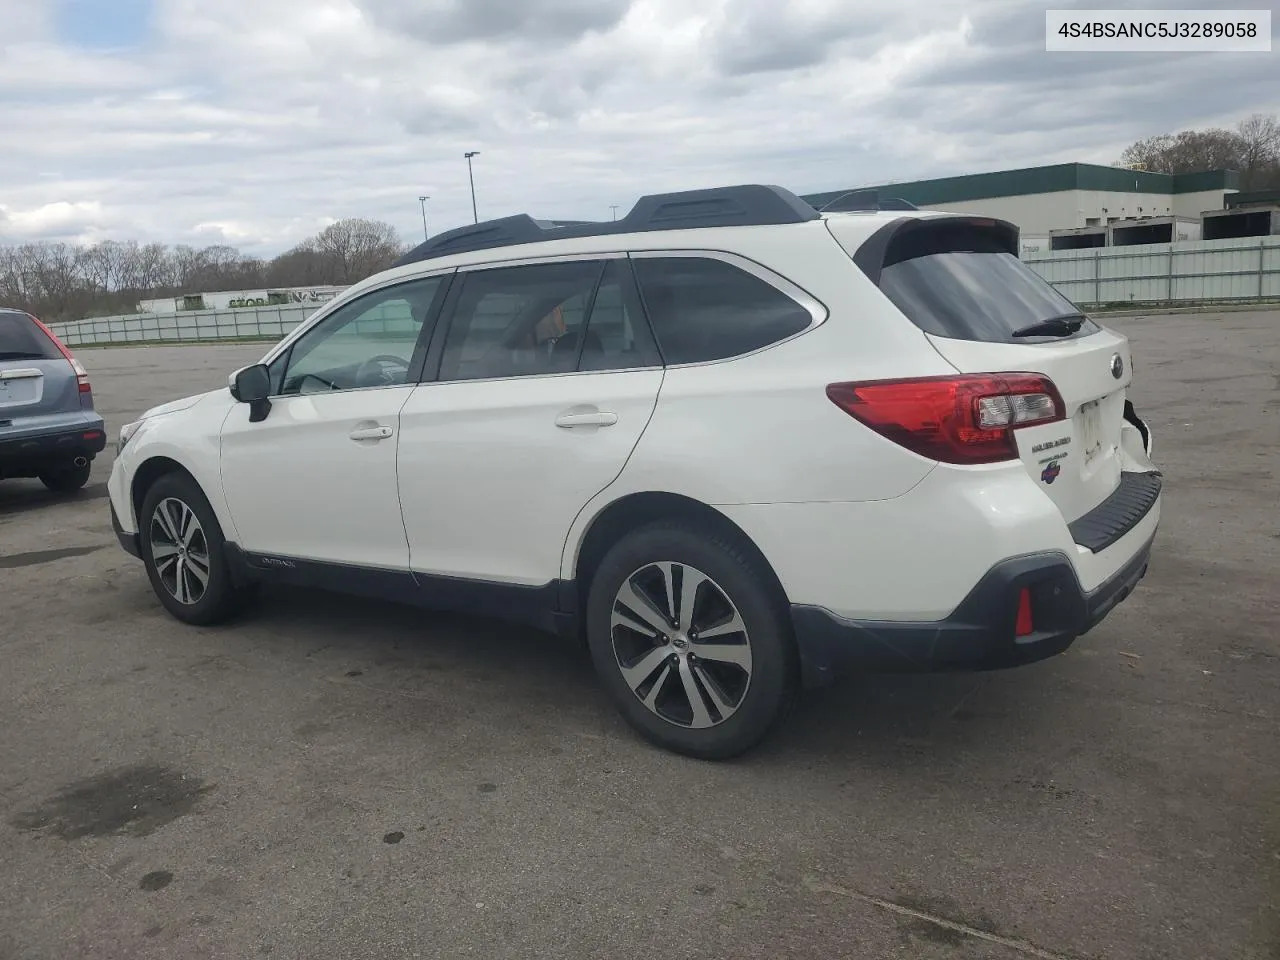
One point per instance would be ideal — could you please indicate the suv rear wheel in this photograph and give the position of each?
(689, 641)
(185, 553)
(68, 478)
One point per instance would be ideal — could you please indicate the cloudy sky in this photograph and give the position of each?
(256, 122)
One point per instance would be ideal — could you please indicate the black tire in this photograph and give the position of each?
(221, 597)
(68, 478)
(736, 577)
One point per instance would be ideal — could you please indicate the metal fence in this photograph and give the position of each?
(240, 324)
(1187, 272)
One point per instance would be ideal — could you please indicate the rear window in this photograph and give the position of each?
(21, 339)
(959, 283)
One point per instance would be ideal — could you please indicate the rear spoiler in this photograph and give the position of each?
(910, 237)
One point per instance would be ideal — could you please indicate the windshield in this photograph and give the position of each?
(966, 295)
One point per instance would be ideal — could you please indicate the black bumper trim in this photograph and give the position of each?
(55, 446)
(979, 635)
(1119, 513)
(128, 541)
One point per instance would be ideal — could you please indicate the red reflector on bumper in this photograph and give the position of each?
(92, 434)
(1023, 627)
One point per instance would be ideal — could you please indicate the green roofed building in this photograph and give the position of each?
(1061, 197)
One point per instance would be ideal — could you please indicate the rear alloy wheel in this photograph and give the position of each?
(184, 552)
(691, 641)
(690, 665)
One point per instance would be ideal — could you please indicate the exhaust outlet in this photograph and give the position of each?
(80, 461)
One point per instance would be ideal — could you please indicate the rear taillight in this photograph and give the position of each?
(960, 419)
(82, 377)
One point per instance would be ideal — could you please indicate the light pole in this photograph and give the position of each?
(614, 208)
(471, 176)
(423, 202)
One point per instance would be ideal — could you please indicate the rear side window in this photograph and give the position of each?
(703, 309)
(519, 321)
(960, 282)
(20, 339)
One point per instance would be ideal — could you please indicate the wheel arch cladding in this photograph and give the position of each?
(637, 510)
(147, 474)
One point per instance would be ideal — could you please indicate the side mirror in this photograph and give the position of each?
(252, 385)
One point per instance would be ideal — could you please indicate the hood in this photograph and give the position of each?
(173, 406)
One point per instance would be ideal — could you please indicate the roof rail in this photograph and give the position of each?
(737, 206)
(865, 200)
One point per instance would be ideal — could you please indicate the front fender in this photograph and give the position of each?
(190, 438)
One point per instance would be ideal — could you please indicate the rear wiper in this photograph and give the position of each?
(1062, 326)
(20, 355)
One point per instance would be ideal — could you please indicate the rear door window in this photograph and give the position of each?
(706, 309)
(959, 282)
(519, 321)
(617, 336)
(20, 339)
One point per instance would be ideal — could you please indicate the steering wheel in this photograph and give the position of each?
(371, 373)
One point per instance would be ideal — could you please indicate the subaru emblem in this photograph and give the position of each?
(1117, 366)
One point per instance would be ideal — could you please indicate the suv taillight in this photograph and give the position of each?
(82, 377)
(967, 419)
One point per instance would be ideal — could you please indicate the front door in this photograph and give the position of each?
(547, 377)
(316, 480)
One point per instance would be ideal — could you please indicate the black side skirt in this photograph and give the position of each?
(537, 606)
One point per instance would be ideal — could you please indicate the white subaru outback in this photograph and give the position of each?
(737, 444)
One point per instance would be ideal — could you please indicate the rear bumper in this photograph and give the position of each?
(85, 439)
(980, 634)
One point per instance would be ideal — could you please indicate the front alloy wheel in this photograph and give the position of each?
(681, 645)
(179, 551)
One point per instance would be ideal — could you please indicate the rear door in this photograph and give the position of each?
(547, 377)
(960, 281)
(38, 385)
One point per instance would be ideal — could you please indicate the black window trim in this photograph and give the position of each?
(435, 350)
(817, 310)
(413, 377)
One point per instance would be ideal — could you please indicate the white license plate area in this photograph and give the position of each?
(20, 390)
(1091, 431)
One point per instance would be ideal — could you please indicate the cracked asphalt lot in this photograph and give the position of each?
(339, 778)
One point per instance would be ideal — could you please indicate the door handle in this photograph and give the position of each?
(601, 418)
(371, 433)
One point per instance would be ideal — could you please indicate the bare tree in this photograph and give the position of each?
(1186, 152)
(1252, 148)
(60, 281)
(1259, 151)
(152, 268)
(356, 248)
(105, 264)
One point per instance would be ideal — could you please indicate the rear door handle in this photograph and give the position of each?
(371, 433)
(601, 418)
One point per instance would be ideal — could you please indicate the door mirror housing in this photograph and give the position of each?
(252, 385)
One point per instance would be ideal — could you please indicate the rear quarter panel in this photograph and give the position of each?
(760, 428)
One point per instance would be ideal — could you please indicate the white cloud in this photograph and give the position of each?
(254, 122)
(61, 219)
